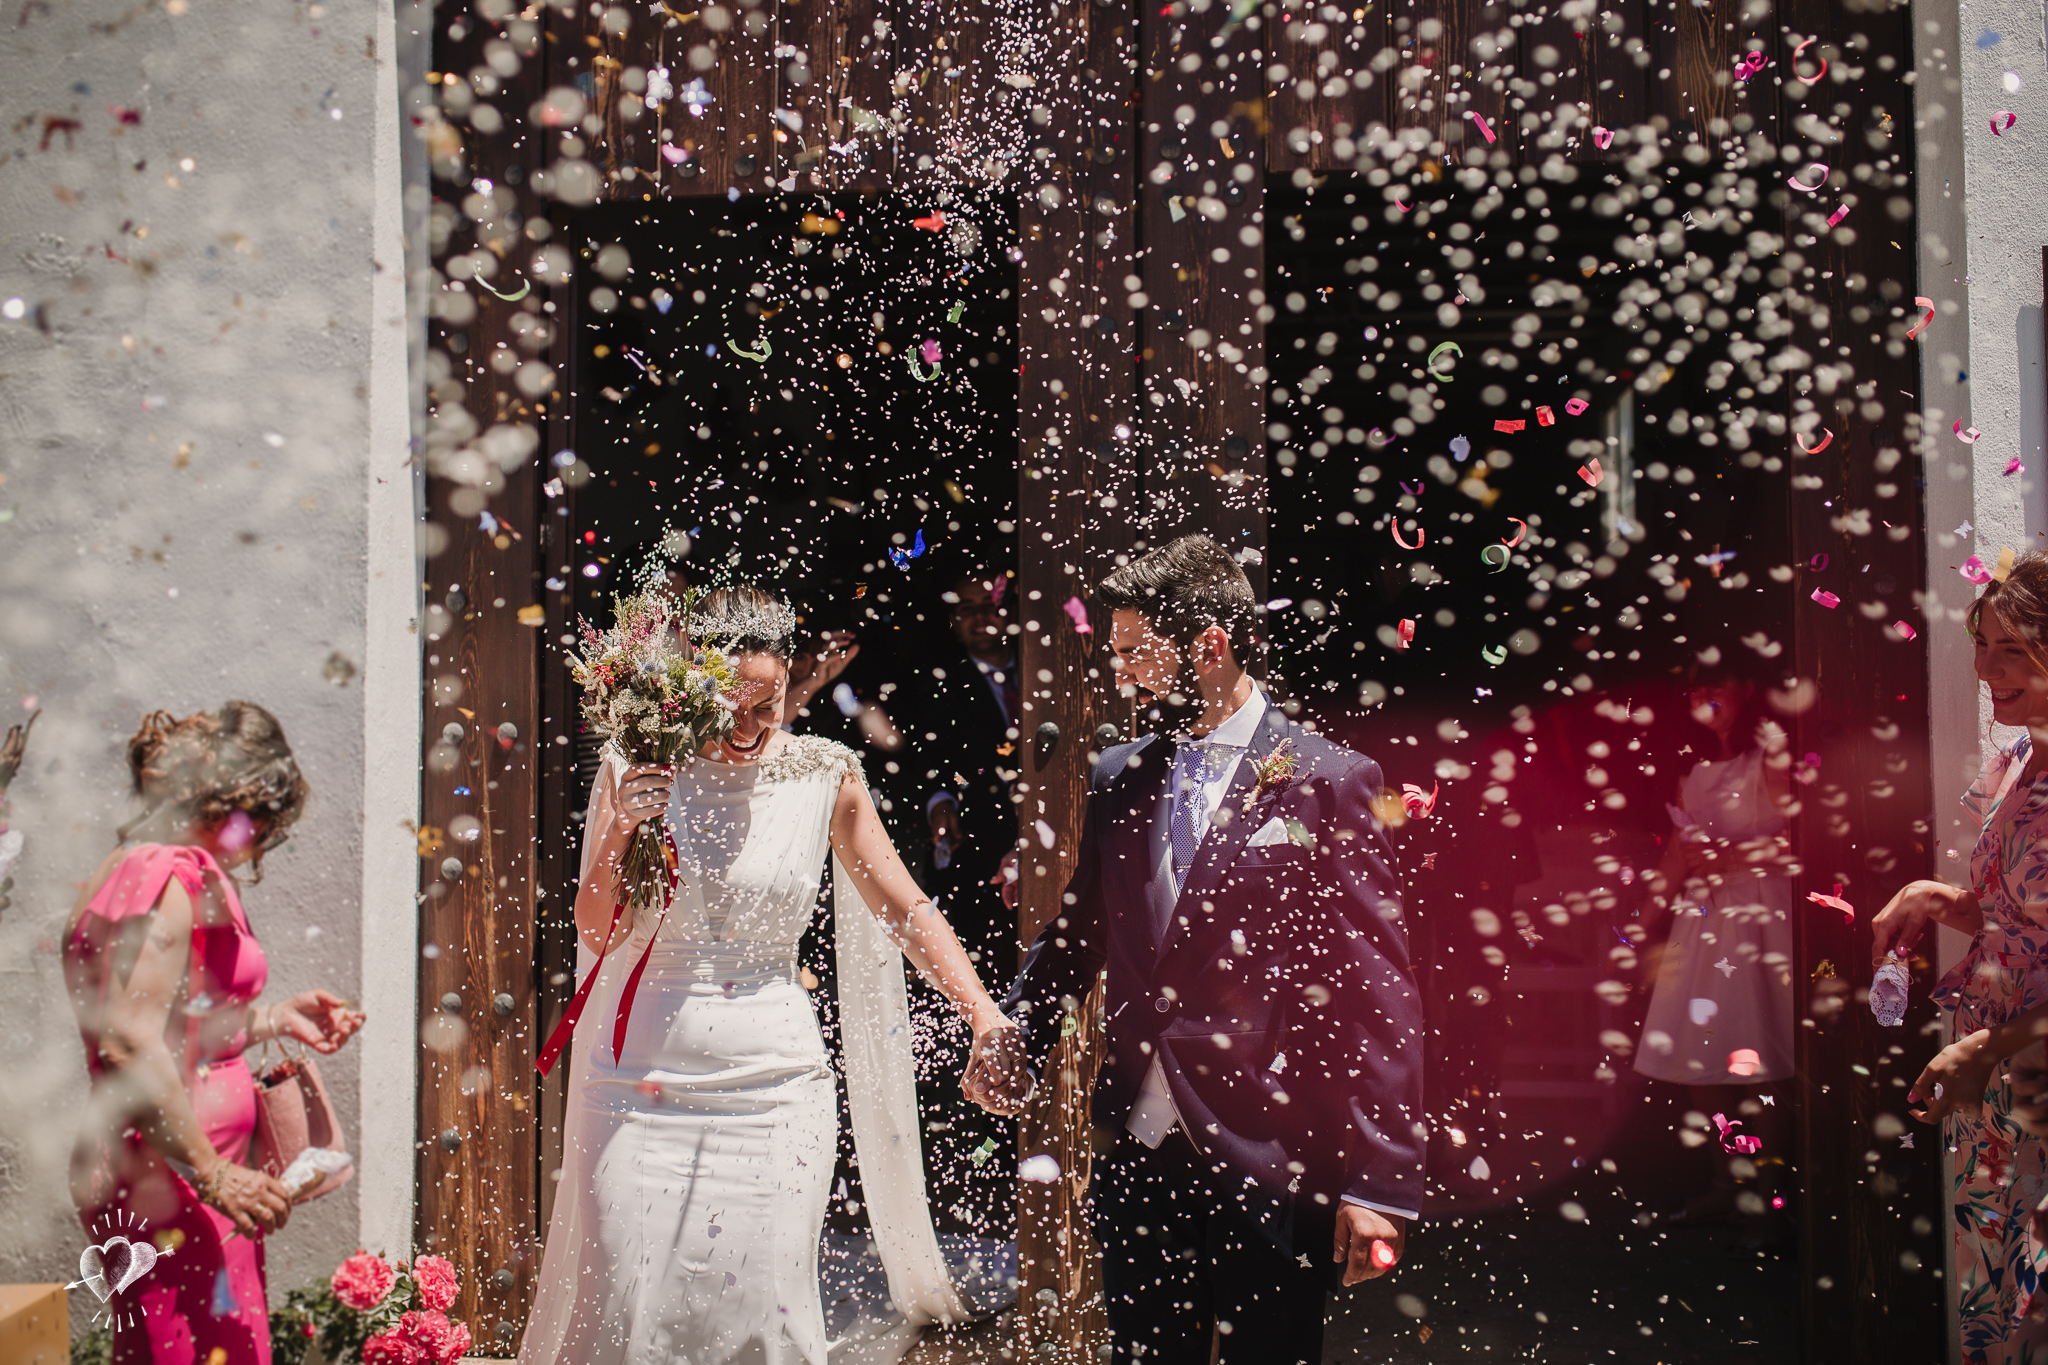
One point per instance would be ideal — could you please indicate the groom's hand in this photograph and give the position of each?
(998, 1076)
(1359, 1231)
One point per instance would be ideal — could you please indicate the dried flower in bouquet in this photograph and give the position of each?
(657, 696)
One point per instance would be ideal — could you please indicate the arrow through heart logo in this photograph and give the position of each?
(113, 1265)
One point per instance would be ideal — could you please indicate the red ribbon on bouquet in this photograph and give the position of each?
(559, 1039)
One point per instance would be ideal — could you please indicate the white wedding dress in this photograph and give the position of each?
(698, 1164)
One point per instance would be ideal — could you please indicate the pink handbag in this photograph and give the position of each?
(293, 1113)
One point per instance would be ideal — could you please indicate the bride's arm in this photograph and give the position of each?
(617, 806)
(914, 922)
(997, 1077)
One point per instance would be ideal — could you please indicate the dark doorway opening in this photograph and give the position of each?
(819, 394)
(1536, 689)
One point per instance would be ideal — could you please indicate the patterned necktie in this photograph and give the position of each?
(1187, 800)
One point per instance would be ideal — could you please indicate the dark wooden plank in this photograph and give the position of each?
(948, 47)
(1457, 56)
(552, 530)
(1204, 374)
(1868, 1281)
(476, 1189)
(1325, 100)
(1692, 65)
(817, 76)
(1077, 498)
(1592, 66)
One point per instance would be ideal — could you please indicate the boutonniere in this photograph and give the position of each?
(1273, 772)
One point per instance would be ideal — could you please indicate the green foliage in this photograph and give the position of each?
(340, 1330)
(95, 1347)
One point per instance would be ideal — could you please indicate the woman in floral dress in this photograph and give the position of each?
(1999, 991)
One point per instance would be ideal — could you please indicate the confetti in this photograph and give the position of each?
(1420, 537)
(933, 223)
(1420, 805)
(1742, 1144)
(1591, 472)
(1493, 654)
(1078, 613)
(1576, 406)
(1521, 531)
(1793, 180)
(1485, 128)
(1545, 417)
(1905, 630)
(759, 357)
(1443, 348)
(1826, 598)
(1405, 633)
(901, 558)
(1814, 79)
(1603, 138)
(2010, 119)
(1917, 328)
(1509, 424)
(1968, 437)
(1825, 437)
(1834, 901)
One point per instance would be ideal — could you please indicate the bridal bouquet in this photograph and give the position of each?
(647, 689)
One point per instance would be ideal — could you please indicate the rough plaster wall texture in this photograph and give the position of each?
(2004, 67)
(182, 433)
(1956, 729)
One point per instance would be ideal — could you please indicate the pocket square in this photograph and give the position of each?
(1274, 831)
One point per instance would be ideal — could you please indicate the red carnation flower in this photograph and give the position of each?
(389, 1348)
(437, 1281)
(438, 1339)
(363, 1280)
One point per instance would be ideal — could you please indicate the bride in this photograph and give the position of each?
(702, 1120)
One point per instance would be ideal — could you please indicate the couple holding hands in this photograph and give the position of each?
(1259, 1105)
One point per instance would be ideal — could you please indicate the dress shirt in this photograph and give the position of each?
(1202, 772)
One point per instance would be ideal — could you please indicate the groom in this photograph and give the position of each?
(1259, 1110)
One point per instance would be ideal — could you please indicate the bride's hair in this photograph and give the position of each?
(746, 619)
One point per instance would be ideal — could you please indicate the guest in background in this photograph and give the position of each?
(1721, 1011)
(961, 728)
(163, 973)
(1999, 991)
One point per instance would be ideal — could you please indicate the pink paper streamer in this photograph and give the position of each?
(1485, 129)
(1905, 630)
(1591, 473)
(1079, 615)
(1575, 407)
(1969, 437)
(1838, 215)
(1826, 598)
(2010, 119)
(1793, 180)
(1923, 301)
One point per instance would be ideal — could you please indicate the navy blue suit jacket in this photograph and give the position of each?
(1279, 1001)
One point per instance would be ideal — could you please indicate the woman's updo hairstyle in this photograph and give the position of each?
(745, 619)
(210, 765)
(2021, 598)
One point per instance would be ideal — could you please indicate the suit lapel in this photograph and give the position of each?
(1220, 849)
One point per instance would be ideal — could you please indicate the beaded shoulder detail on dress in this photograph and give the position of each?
(806, 755)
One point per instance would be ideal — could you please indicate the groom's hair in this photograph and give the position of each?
(1183, 588)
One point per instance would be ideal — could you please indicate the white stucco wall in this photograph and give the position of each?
(1980, 198)
(204, 440)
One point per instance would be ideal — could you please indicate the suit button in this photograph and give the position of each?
(1162, 1004)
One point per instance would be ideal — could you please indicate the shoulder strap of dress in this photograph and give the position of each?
(137, 883)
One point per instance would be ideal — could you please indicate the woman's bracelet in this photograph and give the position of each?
(209, 1188)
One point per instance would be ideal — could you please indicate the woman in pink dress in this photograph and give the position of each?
(163, 973)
